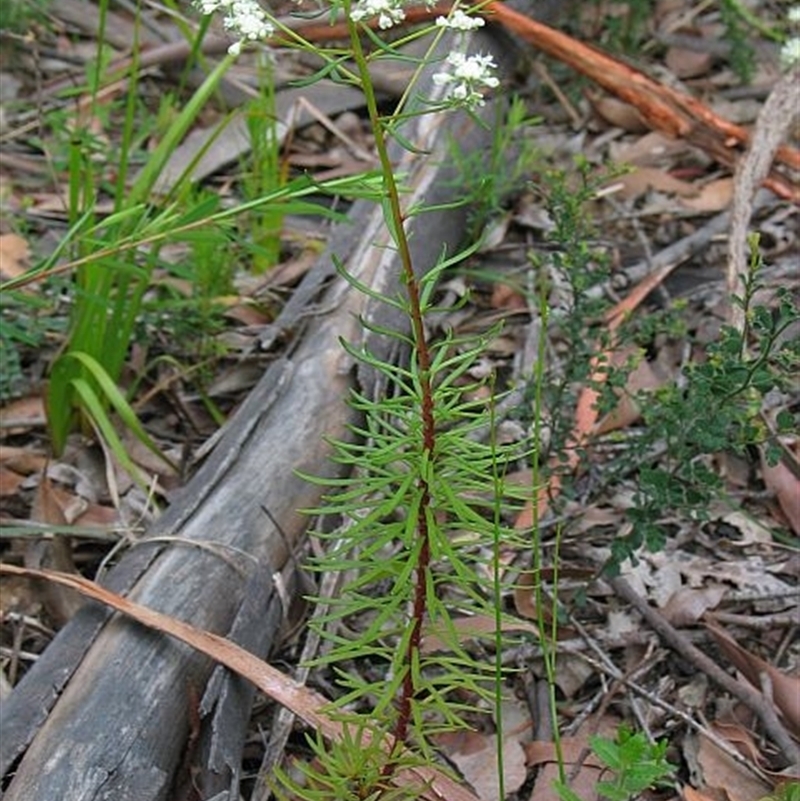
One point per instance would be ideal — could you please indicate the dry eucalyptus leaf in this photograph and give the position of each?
(55, 553)
(685, 63)
(23, 413)
(10, 482)
(642, 180)
(618, 113)
(785, 689)
(577, 755)
(688, 605)
(722, 774)
(14, 254)
(714, 196)
(652, 149)
(475, 755)
(780, 479)
(22, 460)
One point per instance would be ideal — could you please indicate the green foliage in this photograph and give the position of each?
(513, 156)
(571, 268)
(786, 791)
(95, 392)
(264, 175)
(110, 282)
(113, 256)
(742, 55)
(625, 30)
(716, 408)
(424, 499)
(25, 324)
(634, 762)
(18, 15)
(399, 485)
(353, 769)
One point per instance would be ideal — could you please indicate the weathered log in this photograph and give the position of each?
(107, 711)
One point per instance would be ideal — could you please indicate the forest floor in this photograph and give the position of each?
(725, 572)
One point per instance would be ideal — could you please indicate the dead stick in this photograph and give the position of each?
(744, 692)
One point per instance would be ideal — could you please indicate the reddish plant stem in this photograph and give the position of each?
(400, 732)
(419, 610)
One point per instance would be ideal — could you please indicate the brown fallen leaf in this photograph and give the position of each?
(651, 150)
(741, 738)
(475, 755)
(617, 113)
(690, 794)
(14, 254)
(23, 413)
(713, 197)
(54, 553)
(578, 760)
(724, 777)
(780, 479)
(10, 482)
(643, 378)
(648, 179)
(685, 63)
(785, 689)
(688, 605)
(22, 460)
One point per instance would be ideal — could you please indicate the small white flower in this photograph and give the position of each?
(243, 18)
(793, 14)
(459, 21)
(468, 78)
(790, 52)
(388, 12)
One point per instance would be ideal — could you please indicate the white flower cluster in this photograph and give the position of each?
(467, 78)
(460, 21)
(790, 52)
(243, 18)
(391, 13)
(388, 12)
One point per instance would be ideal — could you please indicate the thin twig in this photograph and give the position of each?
(604, 664)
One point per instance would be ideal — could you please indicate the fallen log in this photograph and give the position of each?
(112, 710)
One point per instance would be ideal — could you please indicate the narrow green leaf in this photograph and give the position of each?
(117, 400)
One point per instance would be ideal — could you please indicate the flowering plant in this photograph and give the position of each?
(790, 51)
(413, 474)
(467, 77)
